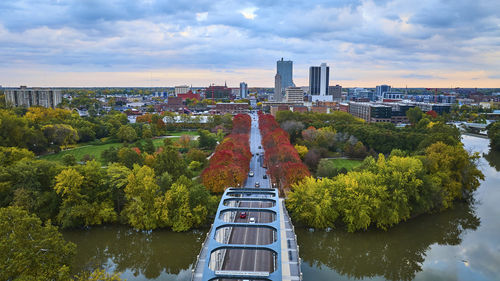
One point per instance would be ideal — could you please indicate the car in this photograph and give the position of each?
(257, 153)
(252, 220)
(257, 184)
(251, 174)
(243, 215)
(264, 177)
(260, 147)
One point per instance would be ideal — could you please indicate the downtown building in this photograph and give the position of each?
(318, 83)
(283, 78)
(243, 90)
(28, 97)
(294, 95)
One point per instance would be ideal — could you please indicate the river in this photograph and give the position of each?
(458, 244)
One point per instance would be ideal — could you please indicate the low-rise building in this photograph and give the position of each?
(294, 94)
(230, 107)
(371, 112)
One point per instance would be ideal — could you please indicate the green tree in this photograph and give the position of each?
(30, 250)
(117, 179)
(141, 191)
(414, 115)
(60, 134)
(312, 203)
(171, 161)
(126, 133)
(69, 160)
(128, 157)
(494, 135)
(206, 139)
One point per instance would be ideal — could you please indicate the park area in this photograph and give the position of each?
(95, 150)
(348, 164)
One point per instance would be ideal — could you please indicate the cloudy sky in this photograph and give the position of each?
(427, 43)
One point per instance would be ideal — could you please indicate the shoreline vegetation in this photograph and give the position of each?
(426, 171)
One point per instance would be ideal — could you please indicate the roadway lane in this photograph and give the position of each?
(252, 260)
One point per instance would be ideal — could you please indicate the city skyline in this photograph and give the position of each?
(152, 43)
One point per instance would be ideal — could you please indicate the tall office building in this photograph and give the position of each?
(380, 90)
(278, 96)
(318, 82)
(285, 70)
(243, 90)
(33, 97)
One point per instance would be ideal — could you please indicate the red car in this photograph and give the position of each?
(243, 215)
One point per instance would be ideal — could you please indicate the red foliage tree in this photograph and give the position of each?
(230, 163)
(283, 161)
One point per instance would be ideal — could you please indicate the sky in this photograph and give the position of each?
(142, 43)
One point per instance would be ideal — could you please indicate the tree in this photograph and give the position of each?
(128, 157)
(301, 150)
(85, 200)
(494, 135)
(414, 115)
(170, 160)
(311, 203)
(117, 179)
(326, 169)
(126, 134)
(60, 134)
(69, 160)
(206, 139)
(141, 191)
(30, 250)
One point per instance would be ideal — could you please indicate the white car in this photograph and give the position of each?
(251, 174)
(252, 220)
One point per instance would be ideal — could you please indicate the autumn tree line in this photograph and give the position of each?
(229, 165)
(421, 168)
(281, 158)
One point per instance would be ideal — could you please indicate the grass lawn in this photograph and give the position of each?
(93, 150)
(180, 133)
(349, 164)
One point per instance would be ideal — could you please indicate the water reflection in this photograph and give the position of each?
(493, 158)
(143, 254)
(397, 254)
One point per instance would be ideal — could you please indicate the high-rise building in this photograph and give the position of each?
(218, 92)
(278, 96)
(294, 94)
(318, 82)
(380, 90)
(243, 90)
(33, 97)
(285, 69)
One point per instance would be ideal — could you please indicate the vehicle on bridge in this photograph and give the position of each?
(251, 174)
(243, 215)
(257, 184)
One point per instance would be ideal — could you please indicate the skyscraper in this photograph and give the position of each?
(277, 88)
(318, 82)
(285, 70)
(243, 90)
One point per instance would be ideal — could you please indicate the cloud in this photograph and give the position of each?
(386, 37)
(421, 76)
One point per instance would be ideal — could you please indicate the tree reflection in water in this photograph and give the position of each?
(397, 254)
(143, 253)
(493, 158)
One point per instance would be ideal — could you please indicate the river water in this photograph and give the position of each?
(459, 244)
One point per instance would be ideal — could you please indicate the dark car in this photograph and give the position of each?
(264, 177)
(243, 215)
(260, 147)
(257, 184)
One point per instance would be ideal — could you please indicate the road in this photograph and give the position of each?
(252, 260)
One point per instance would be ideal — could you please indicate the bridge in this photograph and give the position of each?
(252, 237)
